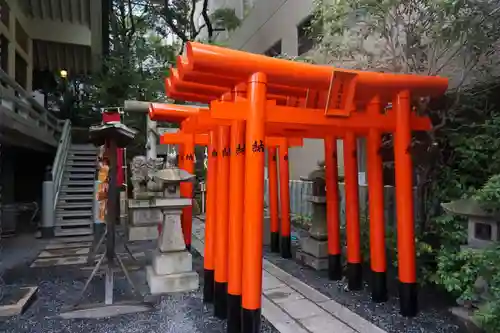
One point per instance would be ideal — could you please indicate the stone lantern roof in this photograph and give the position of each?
(171, 176)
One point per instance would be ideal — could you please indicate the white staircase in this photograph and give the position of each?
(74, 209)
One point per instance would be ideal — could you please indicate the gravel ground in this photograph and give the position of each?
(433, 317)
(60, 285)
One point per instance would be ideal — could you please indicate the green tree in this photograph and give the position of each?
(179, 20)
(135, 68)
(451, 38)
(182, 19)
(456, 39)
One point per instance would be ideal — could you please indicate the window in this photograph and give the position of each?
(21, 37)
(21, 70)
(274, 50)
(4, 53)
(4, 13)
(482, 231)
(305, 40)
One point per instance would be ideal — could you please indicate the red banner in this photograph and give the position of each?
(106, 118)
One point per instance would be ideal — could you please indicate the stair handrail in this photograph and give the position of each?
(60, 159)
(27, 106)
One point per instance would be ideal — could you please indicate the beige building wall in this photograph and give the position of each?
(8, 30)
(58, 30)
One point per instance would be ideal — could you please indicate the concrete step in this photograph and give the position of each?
(73, 176)
(82, 154)
(80, 157)
(72, 169)
(79, 163)
(88, 186)
(74, 222)
(64, 232)
(76, 197)
(60, 214)
(83, 147)
(63, 205)
(89, 189)
(86, 182)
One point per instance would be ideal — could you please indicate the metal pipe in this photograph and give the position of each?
(48, 218)
(136, 106)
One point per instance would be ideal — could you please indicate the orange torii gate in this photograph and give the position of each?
(227, 275)
(384, 123)
(339, 94)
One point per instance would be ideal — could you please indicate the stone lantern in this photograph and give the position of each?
(172, 267)
(314, 248)
(483, 231)
(483, 228)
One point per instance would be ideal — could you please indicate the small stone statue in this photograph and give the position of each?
(143, 182)
(314, 248)
(318, 229)
(172, 159)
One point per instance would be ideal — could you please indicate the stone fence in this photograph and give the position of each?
(301, 190)
(300, 206)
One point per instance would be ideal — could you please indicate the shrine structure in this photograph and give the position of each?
(254, 98)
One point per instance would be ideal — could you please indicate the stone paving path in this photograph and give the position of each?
(292, 306)
(71, 251)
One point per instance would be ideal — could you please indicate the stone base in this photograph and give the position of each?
(171, 238)
(17, 299)
(314, 247)
(172, 283)
(267, 231)
(146, 195)
(466, 317)
(99, 311)
(145, 216)
(172, 262)
(142, 233)
(318, 264)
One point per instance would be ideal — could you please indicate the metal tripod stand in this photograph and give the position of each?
(113, 261)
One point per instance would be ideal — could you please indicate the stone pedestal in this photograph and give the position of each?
(142, 233)
(143, 220)
(266, 240)
(172, 267)
(313, 253)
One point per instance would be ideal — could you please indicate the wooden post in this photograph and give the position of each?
(354, 267)
(332, 209)
(404, 206)
(272, 167)
(236, 197)
(284, 176)
(221, 229)
(210, 221)
(187, 192)
(254, 205)
(376, 210)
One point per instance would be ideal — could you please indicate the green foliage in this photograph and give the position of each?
(472, 163)
(460, 156)
(489, 195)
(293, 58)
(227, 18)
(419, 36)
(135, 69)
(189, 20)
